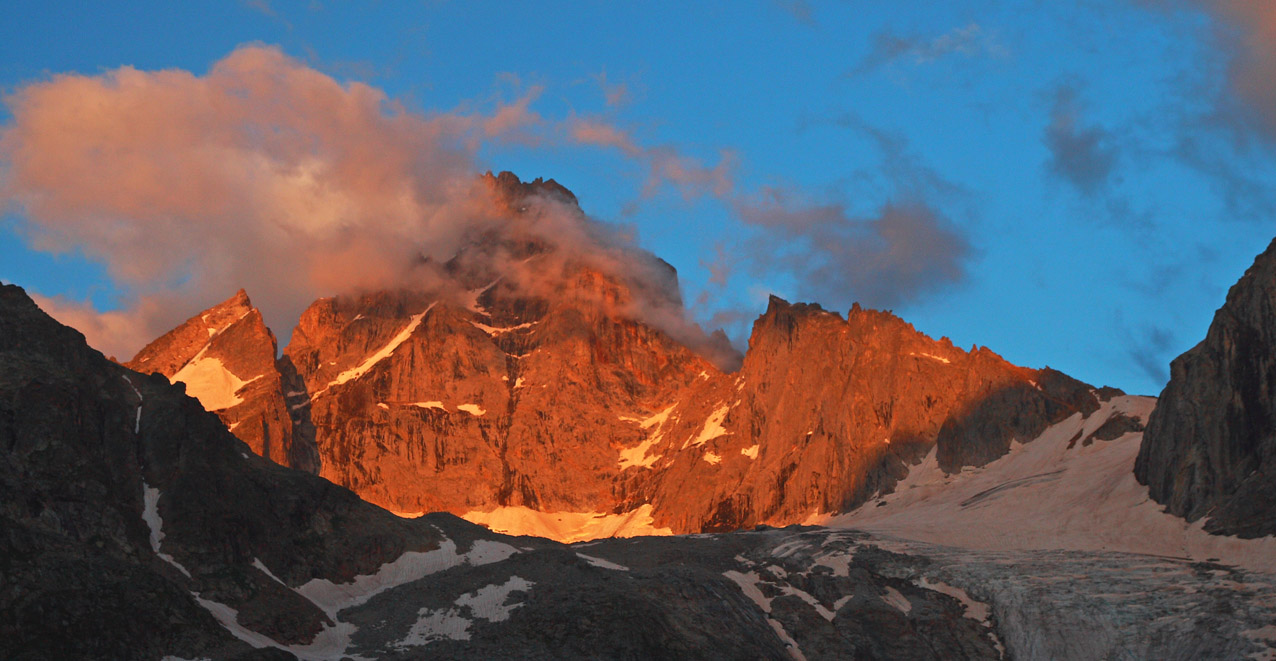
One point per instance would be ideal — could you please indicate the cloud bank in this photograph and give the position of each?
(269, 175)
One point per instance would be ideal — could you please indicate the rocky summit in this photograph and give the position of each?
(567, 409)
(225, 358)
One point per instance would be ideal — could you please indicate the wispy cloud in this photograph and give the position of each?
(800, 10)
(905, 250)
(890, 48)
(616, 94)
(1084, 156)
(1150, 350)
(665, 164)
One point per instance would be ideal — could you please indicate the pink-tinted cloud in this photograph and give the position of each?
(269, 175)
(665, 165)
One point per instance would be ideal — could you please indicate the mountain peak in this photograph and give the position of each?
(225, 356)
(513, 192)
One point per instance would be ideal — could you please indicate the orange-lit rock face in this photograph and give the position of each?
(226, 357)
(824, 413)
(513, 402)
(538, 382)
(536, 404)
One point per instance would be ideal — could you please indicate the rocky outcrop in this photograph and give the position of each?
(225, 356)
(1210, 445)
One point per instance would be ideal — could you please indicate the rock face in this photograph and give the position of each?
(539, 388)
(226, 358)
(499, 397)
(1210, 445)
(828, 411)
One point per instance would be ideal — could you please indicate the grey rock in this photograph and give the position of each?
(1210, 446)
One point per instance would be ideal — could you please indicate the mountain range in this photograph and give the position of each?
(491, 469)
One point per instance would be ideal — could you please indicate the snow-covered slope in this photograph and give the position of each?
(1047, 495)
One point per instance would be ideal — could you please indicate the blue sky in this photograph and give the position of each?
(1086, 180)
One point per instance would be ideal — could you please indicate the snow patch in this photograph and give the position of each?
(712, 458)
(932, 357)
(712, 428)
(430, 405)
(209, 381)
(501, 330)
(436, 625)
(151, 515)
(487, 603)
(380, 354)
(637, 455)
(898, 600)
(473, 409)
(749, 586)
(137, 418)
(568, 527)
(1045, 496)
(599, 562)
(751, 451)
(265, 570)
(333, 597)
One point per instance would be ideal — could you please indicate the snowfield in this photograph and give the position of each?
(1044, 495)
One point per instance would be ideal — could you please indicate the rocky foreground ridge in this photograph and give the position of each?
(568, 409)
